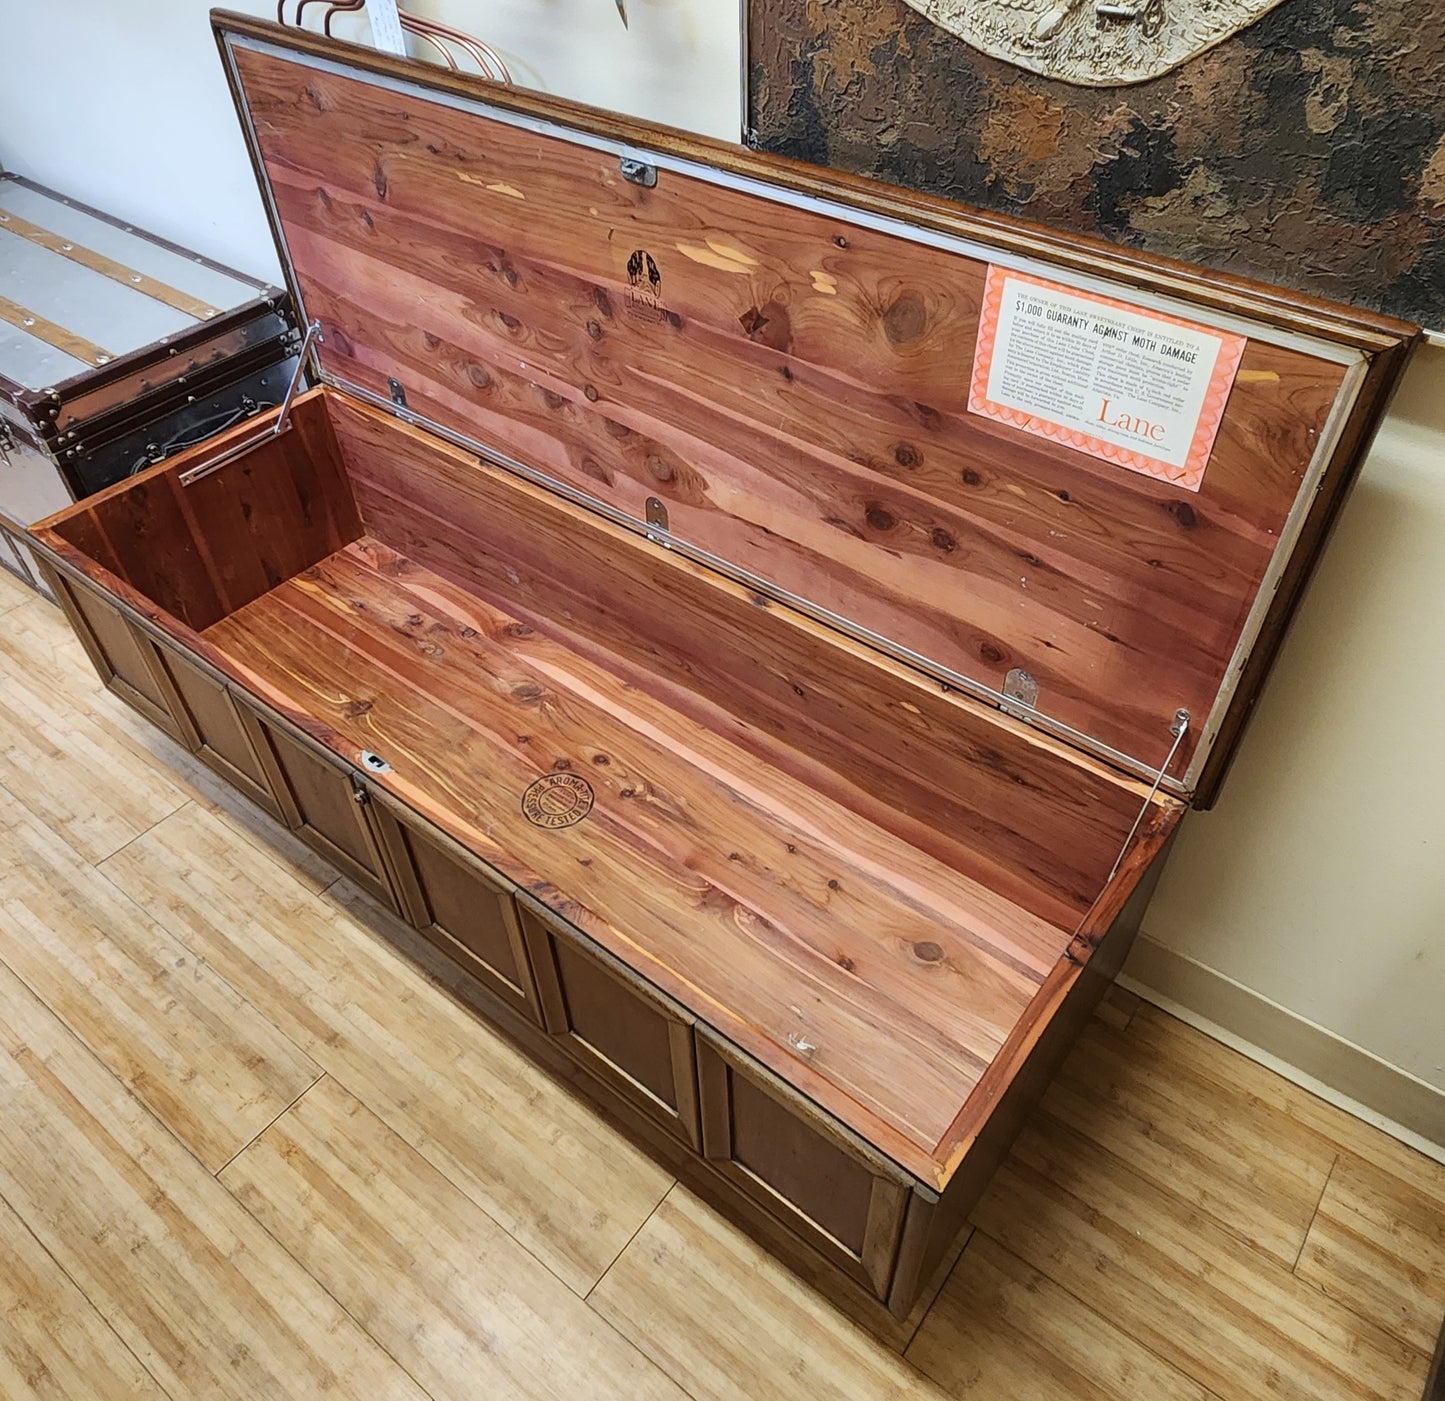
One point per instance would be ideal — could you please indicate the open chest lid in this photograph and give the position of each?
(1083, 484)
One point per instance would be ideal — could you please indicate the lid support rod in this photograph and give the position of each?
(1178, 729)
(280, 426)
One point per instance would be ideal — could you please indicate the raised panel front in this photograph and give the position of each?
(625, 1032)
(123, 657)
(450, 900)
(839, 1197)
(326, 805)
(218, 734)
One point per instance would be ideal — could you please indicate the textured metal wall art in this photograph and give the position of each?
(1307, 150)
(1098, 43)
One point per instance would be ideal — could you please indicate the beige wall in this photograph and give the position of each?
(1318, 881)
(1305, 913)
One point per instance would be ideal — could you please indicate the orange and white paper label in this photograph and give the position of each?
(1138, 388)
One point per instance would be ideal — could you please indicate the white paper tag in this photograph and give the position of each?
(1136, 387)
(386, 31)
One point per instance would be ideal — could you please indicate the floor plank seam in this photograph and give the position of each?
(1299, 1254)
(596, 1283)
(181, 807)
(290, 1255)
(99, 1313)
(1209, 1394)
(260, 1133)
(1229, 1226)
(441, 987)
(18, 800)
(359, 1095)
(115, 1079)
(420, 1149)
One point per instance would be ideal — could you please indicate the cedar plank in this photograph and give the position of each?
(887, 975)
(434, 192)
(1033, 823)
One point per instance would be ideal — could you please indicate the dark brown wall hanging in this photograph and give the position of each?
(1307, 150)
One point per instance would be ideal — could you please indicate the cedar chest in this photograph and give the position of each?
(647, 607)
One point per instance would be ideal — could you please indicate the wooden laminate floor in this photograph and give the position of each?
(247, 1150)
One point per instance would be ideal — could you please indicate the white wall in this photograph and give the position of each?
(1306, 912)
(124, 105)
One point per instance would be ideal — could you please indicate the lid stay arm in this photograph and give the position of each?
(280, 426)
(1178, 729)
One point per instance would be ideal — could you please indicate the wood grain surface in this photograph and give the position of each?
(116, 1285)
(1068, 1208)
(570, 1188)
(1002, 1328)
(1026, 816)
(186, 1044)
(115, 1199)
(53, 756)
(449, 1294)
(203, 550)
(53, 1342)
(768, 910)
(725, 1318)
(1378, 1243)
(791, 385)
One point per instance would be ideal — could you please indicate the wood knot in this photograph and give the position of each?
(880, 519)
(594, 329)
(752, 321)
(904, 321)
(845, 963)
(357, 708)
(942, 540)
(906, 455)
(770, 325)
(526, 692)
(926, 951)
(970, 477)
(1184, 513)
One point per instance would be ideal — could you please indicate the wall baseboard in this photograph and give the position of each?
(1310, 1056)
